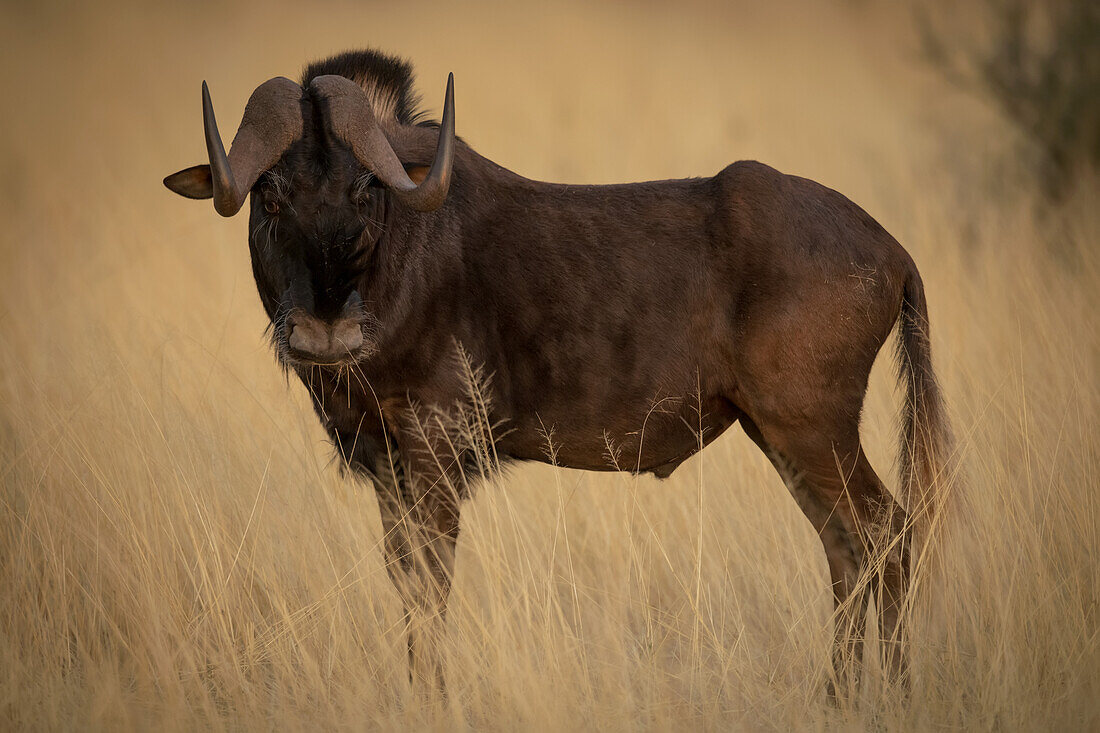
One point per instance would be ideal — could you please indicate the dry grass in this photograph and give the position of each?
(176, 547)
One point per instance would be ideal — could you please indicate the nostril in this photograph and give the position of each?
(308, 336)
(347, 335)
(299, 341)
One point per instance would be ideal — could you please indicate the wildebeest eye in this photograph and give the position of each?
(271, 207)
(361, 188)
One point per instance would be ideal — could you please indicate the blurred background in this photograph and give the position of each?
(176, 545)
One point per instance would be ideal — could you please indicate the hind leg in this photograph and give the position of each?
(886, 531)
(860, 526)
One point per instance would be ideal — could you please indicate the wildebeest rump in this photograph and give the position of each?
(632, 323)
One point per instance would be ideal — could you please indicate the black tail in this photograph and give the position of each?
(925, 439)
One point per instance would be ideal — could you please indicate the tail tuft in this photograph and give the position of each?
(925, 439)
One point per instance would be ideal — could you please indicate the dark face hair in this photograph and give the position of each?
(314, 222)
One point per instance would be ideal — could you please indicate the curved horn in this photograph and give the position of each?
(272, 121)
(352, 118)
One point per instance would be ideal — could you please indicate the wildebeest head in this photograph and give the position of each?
(322, 173)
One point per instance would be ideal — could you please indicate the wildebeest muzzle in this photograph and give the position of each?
(311, 340)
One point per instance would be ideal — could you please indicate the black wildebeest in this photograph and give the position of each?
(382, 244)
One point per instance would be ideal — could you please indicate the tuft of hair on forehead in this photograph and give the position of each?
(387, 80)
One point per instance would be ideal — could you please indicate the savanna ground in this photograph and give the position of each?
(178, 550)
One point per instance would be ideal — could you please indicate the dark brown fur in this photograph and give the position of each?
(620, 318)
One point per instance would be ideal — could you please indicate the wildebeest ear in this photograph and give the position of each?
(193, 182)
(417, 173)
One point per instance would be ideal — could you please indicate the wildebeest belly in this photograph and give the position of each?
(655, 437)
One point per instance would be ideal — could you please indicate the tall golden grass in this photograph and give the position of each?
(177, 549)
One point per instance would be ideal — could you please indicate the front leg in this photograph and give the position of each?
(419, 495)
(415, 465)
(420, 509)
(419, 556)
